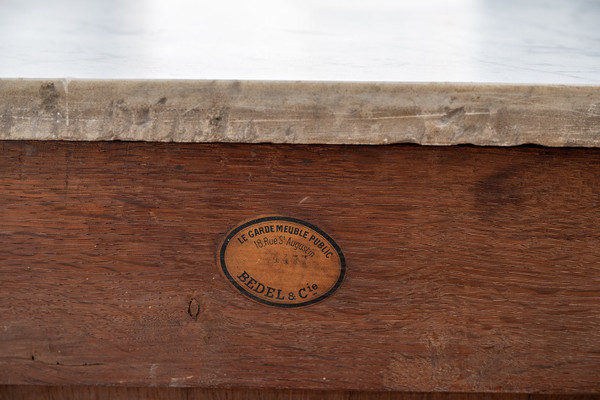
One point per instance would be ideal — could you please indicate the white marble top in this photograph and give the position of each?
(487, 41)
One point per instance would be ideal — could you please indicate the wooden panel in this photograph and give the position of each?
(17, 392)
(468, 269)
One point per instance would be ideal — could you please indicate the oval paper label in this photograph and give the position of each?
(281, 261)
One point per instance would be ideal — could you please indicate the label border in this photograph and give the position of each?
(230, 236)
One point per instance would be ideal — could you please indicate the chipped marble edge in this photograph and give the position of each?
(300, 112)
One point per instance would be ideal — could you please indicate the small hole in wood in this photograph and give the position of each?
(194, 309)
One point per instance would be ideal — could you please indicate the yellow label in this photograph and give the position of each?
(281, 261)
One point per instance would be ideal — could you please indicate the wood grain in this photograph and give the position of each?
(468, 269)
(40, 392)
(18, 392)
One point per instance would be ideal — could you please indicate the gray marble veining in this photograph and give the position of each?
(299, 112)
(509, 41)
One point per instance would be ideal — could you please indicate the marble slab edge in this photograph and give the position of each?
(300, 112)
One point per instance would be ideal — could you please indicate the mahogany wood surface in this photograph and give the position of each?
(467, 269)
(41, 392)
